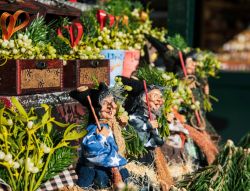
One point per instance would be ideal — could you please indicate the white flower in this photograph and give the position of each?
(197, 103)
(11, 44)
(16, 165)
(5, 43)
(88, 48)
(30, 166)
(23, 50)
(20, 42)
(193, 107)
(30, 124)
(10, 122)
(46, 150)
(34, 170)
(99, 38)
(20, 36)
(15, 51)
(166, 77)
(8, 157)
(25, 37)
(2, 155)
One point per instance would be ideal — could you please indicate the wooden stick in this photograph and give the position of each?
(95, 116)
(183, 64)
(185, 74)
(146, 94)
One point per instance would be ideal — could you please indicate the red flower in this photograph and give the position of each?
(6, 102)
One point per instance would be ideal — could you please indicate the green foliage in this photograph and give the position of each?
(157, 77)
(177, 41)
(29, 148)
(134, 145)
(38, 30)
(231, 171)
(91, 26)
(60, 160)
(121, 7)
(208, 65)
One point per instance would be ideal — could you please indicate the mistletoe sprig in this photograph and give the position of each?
(28, 146)
(208, 65)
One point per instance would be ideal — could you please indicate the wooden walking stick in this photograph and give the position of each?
(117, 178)
(163, 173)
(197, 113)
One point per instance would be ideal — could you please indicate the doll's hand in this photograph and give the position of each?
(154, 124)
(206, 89)
(124, 118)
(104, 131)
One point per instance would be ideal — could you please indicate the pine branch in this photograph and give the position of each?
(177, 42)
(38, 30)
(61, 159)
(134, 145)
(231, 171)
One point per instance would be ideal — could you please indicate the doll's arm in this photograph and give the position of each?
(139, 124)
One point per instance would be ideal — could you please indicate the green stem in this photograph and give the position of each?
(19, 179)
(32, 181)
(12, 179)
(26, 164)
(43, 172)
(38, 183)
(37, 161)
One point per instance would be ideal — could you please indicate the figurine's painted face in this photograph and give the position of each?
(108, 109)
(190, 66)
(155, 99)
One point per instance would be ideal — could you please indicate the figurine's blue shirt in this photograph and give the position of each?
(100, 150)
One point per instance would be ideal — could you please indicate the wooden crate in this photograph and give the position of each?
(18, 77)
(85, 72)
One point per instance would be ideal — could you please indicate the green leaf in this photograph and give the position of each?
(45, 117)
(74, 135)
(49, 127)
(61, 159)
(69, 128)
(1, 115)
(19, 107)
(59, 124)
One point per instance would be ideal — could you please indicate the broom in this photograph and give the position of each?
(162, 170)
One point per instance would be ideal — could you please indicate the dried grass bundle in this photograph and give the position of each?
(162, 170)
(177, 170)
(139, 170)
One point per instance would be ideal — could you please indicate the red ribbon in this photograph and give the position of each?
(11, 28)
(185, 74)
(102, 17)
(75, 26)
(146, 95)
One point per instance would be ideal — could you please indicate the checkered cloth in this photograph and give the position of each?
(65, 178)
